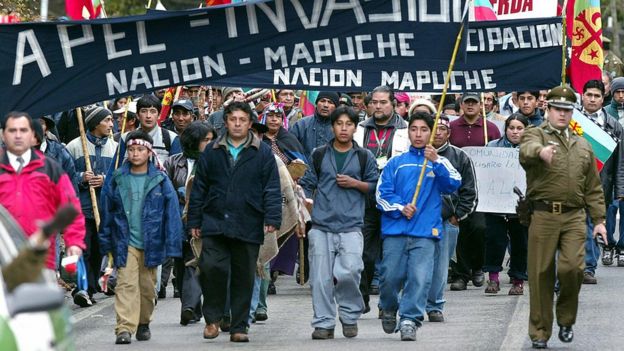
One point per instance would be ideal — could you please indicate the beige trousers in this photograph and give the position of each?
(134, 293)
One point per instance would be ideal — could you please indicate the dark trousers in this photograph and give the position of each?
(220, 256)
(92, 256)
(501, 231)
(372, 247)
(187, 281)
(167, 269)
(470, 246)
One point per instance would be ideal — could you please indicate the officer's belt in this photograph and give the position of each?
(555, 207)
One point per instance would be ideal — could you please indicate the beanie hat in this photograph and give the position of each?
(228, 90)
(402, 97)
(95, 116)
(333, 96)
(346, 100)
(617, 84)
(422, 102)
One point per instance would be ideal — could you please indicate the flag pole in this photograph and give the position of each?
(437, 117)
(123, 130)
(85, 153)
(485, 126)
(564, 41)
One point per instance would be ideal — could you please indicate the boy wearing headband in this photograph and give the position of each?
(141, 226)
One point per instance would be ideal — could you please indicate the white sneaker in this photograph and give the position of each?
(408, 330)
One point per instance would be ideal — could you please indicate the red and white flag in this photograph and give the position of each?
(83, 9)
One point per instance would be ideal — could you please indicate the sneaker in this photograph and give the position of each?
(607, 256)
(458, 285)
(349, 330)
(517, 289)
(322, 334)
(374, 290)
(478, 278)
(81, 298)
(620, 259)
(408, 330)
(588, 277)
(261, 316)
(388, 322)
(143, 332)
(436, 316)
(123, 338)
(493, 287)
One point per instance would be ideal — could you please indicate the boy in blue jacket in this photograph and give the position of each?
(410, 232)
(141, 226)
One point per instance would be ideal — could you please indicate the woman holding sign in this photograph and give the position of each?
(503, 228)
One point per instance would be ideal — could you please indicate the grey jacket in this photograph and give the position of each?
(312, 132)
(336, 209)
(612, 173)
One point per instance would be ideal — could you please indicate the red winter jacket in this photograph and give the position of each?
(36, 193)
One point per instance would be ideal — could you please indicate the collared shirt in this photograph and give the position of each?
(44, 145)
(13, 159)
(466, 134)
(565, 132)
(597, 116)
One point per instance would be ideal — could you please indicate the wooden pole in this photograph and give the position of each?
(301, 262)
(85, 152)
(564, 42)
(485, 126)
(437, 117)
(123, 130)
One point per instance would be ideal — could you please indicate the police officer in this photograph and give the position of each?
(562, 182)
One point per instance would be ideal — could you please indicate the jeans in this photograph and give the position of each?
(443, 249)
(407, 264)
(592, 251)
(500, 232)
(611, 221)
(257, 302)
(335, 269)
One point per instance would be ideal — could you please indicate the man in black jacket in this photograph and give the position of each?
(611, 177)
(456, 212)
(235, 199)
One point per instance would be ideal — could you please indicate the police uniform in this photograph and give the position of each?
(560, 195)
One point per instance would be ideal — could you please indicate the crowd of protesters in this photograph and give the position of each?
(215, 198)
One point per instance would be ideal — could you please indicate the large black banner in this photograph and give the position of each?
(347, 45)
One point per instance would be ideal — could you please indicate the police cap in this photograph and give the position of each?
(562, 97)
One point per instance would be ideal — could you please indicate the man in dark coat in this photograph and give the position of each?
(235, 199)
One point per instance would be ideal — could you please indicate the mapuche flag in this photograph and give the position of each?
(83, 9)
(217, 2)
(584, 28)
(166, 104)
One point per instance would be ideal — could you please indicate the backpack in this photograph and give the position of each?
(319, 153)
(166, 138)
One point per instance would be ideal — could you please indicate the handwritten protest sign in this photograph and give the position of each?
(498, 170)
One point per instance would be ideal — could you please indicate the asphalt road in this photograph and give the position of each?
(474, 321)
